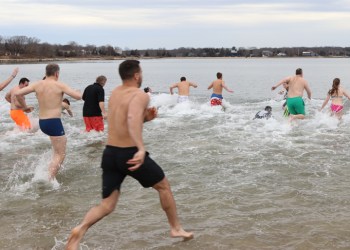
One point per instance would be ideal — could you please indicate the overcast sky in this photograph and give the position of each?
(142, 24)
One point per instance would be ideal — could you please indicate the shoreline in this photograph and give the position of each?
(77, 59)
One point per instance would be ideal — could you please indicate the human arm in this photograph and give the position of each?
(346, 94)
(325, 102)
(8, 80)
(225, 87)
(308, 90)
(67, 107)
(285, 80)
(211, 85)
(22, 92)
(193, 84)
(135, 119)
(102, 107)
(8, 97)
(150, 114)
(172, 87)
(71, 92)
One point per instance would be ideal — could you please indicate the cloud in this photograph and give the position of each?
(164, 21)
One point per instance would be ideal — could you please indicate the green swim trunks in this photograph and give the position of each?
(296, 105)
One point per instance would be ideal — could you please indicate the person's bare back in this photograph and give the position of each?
(118, 106)
(217, 86)
(183, 87)
(297, 84)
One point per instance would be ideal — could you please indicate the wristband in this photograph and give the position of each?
(13, 76)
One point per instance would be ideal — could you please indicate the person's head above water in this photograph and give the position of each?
(268, 108)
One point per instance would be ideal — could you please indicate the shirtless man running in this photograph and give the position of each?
(125, 154)
(49, 93)
(17, 109)
(184, 89)
(217, 86)
(296, 86)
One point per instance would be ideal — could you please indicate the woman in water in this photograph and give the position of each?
(336, 94)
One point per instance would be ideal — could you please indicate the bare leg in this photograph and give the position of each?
(293, 117)
(95, 214)
(168, 204)
(59, 152)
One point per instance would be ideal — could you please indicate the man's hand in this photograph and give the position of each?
(28, 109)
(151, 113)
(137, 160)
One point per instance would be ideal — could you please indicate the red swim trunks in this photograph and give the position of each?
(94, 123)
(215, 101)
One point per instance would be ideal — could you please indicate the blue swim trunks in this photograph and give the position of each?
(52, 127)
(216, 96)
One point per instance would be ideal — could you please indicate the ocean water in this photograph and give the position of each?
(239, 183)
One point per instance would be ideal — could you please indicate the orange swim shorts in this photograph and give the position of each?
(20, 118)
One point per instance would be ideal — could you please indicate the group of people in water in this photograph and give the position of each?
(124, 154)
(128, 108)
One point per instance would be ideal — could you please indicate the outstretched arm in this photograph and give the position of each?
(225, 87)
(193, 85)
(211, 85)
(22, 92)
(8, 80)
(71, 92)
(285, 80)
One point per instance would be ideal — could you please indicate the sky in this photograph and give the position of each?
(153, 24)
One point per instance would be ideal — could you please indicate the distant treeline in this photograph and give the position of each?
(29, 47)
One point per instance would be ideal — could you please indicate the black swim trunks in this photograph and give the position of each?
(115, 169)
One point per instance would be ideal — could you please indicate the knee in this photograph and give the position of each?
(108, 207)
(162, 186)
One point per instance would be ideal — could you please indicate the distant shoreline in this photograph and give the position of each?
(77, 59)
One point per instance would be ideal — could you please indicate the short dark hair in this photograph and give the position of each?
(268, 108)
(23, 80)
(218, 75)
(66, 101)
(51, 69)
(299, 71)
(146, 89)
(183, 79)
(128, 68)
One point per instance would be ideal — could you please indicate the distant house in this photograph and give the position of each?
(234, 52)
(281, 54)
(308, 53)
(267, 53)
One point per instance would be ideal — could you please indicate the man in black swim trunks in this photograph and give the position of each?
(125, 154)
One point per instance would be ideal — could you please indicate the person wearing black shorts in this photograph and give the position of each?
(125, 154)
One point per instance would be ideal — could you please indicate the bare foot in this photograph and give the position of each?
(74, 238)
(181, 233)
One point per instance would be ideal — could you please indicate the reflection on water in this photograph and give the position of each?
(239, 183)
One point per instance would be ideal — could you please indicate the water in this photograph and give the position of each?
(239, 183)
